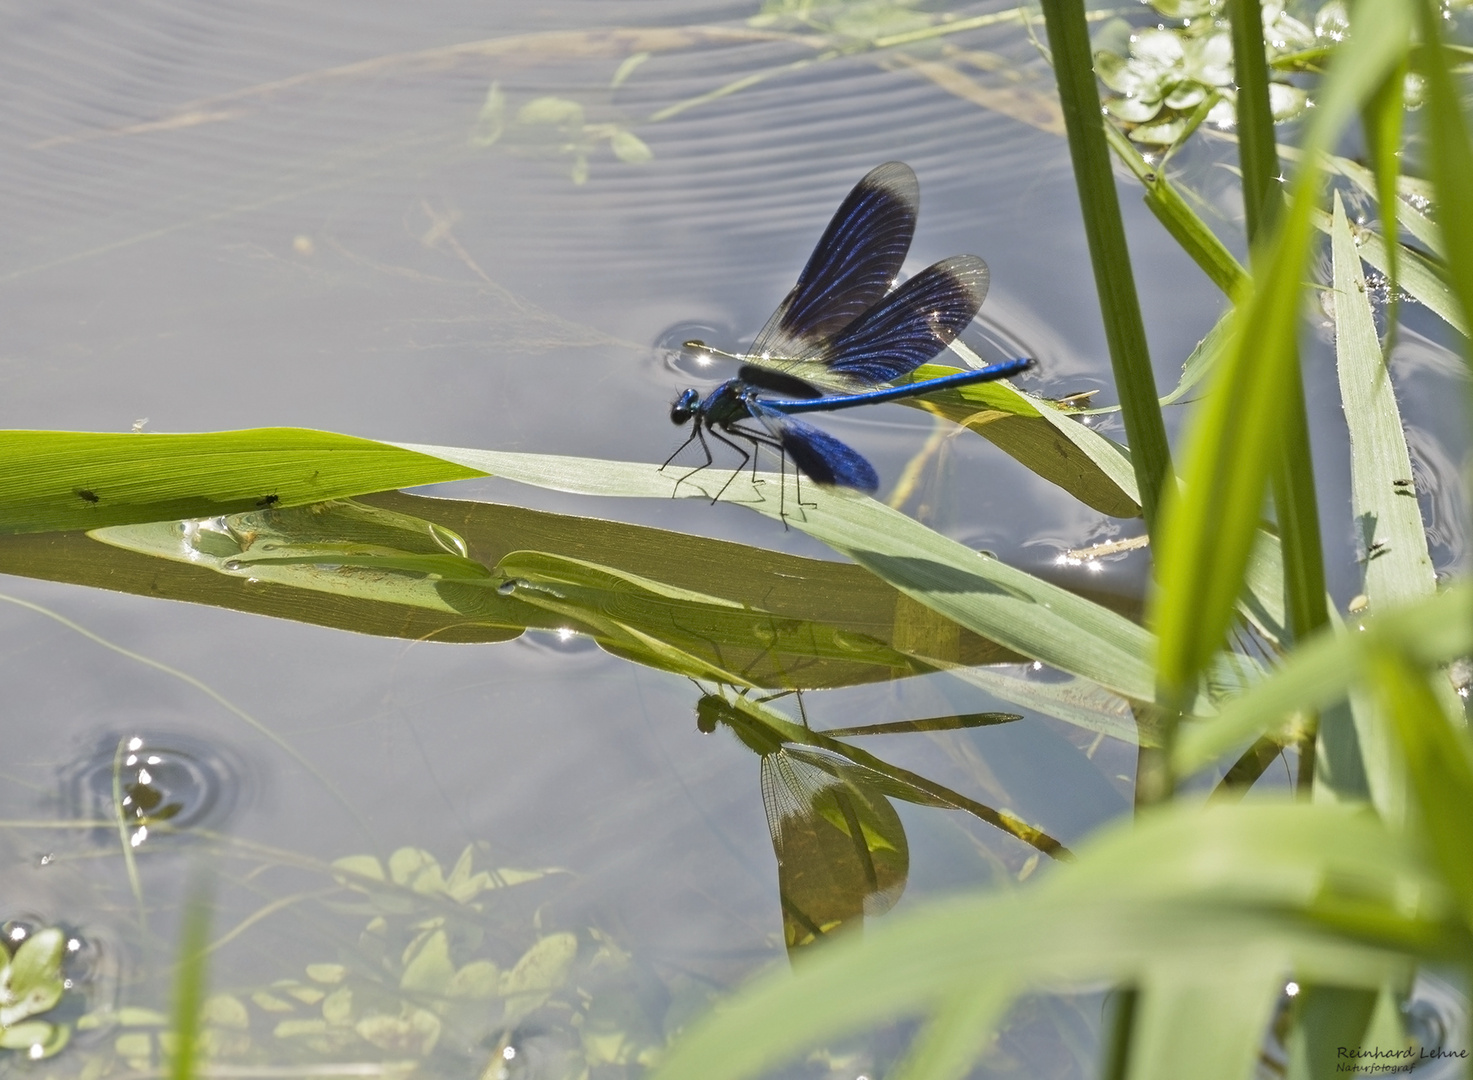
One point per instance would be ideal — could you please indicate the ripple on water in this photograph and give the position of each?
(160, 783)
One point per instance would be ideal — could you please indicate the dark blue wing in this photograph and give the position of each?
(817, 454)
(912, 324)
(853, 266)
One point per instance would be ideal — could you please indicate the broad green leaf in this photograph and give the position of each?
(1045, 439)
(85, 480)
(630, 148)
(1324, 895)
(542, 970)
(1439, 764)
(478, 979)
(399, 565)
(1009, 606)
(415, 868)
(1206, 1023)
(698, 634)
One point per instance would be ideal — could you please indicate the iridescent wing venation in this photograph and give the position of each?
(789, 788)
(853, 266)
(911, 325)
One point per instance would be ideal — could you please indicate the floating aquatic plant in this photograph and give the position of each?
(32, 983)
(1162, 77)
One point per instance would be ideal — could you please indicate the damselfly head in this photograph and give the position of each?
(684, 408)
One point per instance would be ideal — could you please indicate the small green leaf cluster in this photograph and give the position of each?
(1164, 77)
(434, 980)
(32, 983)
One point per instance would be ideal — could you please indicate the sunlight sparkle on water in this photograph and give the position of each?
(139, 836)
(1291, 989)
(566, 633)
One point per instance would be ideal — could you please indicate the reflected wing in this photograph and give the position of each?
(851, 269)
(841, 850)
(817, 454)
(912, 324)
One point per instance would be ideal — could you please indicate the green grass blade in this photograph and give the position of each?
(778, 620)
(955, 1037)
(1183, 223)
(1170, 1039)
(1422, 279)
(1398, 567)
(1321, 893)
(57, 480)
(1382, 120)
(1389, 188)
(1235, 440)
(1028, 615)
(1293, 474)
(1296, 507)
(1321, 670)
(1125, 333)
(189, 987)
(1231, 448)
(1203, 358)
(1439, 763)
(1257, 153)
(1449, 154)
(1051, 442)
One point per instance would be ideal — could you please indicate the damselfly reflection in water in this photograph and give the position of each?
(841, 849)
(841, 337)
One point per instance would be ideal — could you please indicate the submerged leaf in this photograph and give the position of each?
(430, 970)
(32, 982)
(630, 148)
(551, 110)
(545, 966)
(413, 1031)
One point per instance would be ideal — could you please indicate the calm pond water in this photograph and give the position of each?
(261, 214)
